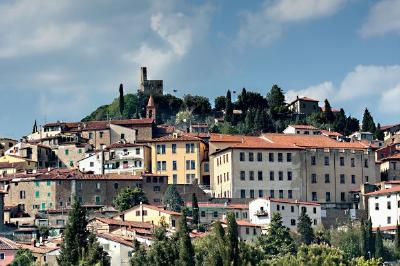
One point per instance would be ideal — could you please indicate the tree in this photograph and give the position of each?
(368, 124)
(328, 114)
(186, 252)
(352, 125)
(228, 107)
(347, 239)
(379, 252)
(164, 250)
(249, 122)
(34, 129)
(75, 236)
(121, 99)
(363, 240)
(232, 239)
(23, 257)
(304, 228)
(340, 122)
(195, 210)
(130, 197)
(276, 100)
(379, 133)
(199, 105)
(397, 238)
(277, 240)
(139, 257)
(370, 238)
(94, 254)
(172, 199)
(219, 103)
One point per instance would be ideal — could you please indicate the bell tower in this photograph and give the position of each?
(151, 108)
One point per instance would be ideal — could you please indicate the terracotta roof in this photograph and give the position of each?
(310, 127)
(386, 127)
(11, 165)
(98, 125)
(238, 206)
(303, 99)
(225, 138)
(149, 207)
(7, 244)
(394, 189)
(38, 250)
(331, 133)
(124, 145)
(385, 228)
(111, 221)
(208, 204)
(243, 223)
(297, 202)
(393, 157)
(170, 138)
(116, 239)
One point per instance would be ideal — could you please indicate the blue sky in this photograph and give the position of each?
(61, 59)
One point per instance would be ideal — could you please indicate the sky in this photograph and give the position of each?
(61, 59)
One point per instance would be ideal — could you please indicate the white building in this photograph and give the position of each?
(384, 207)
(302, 130)
(118, 158)
(247, 231)
(261, 210)
(118, 248)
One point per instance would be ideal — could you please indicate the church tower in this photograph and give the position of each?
(151, 108)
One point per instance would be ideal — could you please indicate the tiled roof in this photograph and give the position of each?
(111, 221)
(124, 145)
(331, 133)
(149, 207)
(243, 223)
(386, 127)
(303, 99)
(169, 138)
(226, 138)
(238, 206)
(116, 239)
(392, 158)
(98, 125)
(7, 244)
(385, 228)
(37, 250)
(394, 189)
(11, 165)
(310, 127)
(293, 202)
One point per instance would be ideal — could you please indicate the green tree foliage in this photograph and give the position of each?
(139, 257)
(379, 133)
(219, 103)
(228, 107)
(129, 197)
(94, 254)
(23, 257)
(397, 238)
(361, 261)
(164, 250)
(379, 252)
(347, 239)
(232, 239)
(368, 124)
(363, 240)
(370, 238)
(172, 199)
(352, 125)
(276, 101)
(75, 236)
(328, 114)
(340, 122)
(121, 99)
(195, 210)
(277, 241)
(199, 105)
(304, 229)
(186, 251)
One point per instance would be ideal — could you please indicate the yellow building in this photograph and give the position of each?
(150, 214)
(12, 165)
(181, 157)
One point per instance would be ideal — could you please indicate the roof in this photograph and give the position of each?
(219, 205)
(116, 239)
(150, 207)
(37, 250)
(386, 127)
(225, 138)
(310, 127)
(7, 244)
(307, 99)
(392, 158)
(124, 145)
(238, 206)
(243, 223)
(395, 189)
(150, 103)
(332, 109)
(330, 133)
(169, 138)
(111, 221)
(297, 202)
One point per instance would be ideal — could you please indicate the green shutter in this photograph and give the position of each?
(37, 194)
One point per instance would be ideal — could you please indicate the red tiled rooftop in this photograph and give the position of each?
(117, 239)
(150, 207)
(111, 221)
(394, 189)
(331, 133)
(393, 157)
(123, 145)
(7, 244)
(310, 127)
(294, 202)
(169, 138)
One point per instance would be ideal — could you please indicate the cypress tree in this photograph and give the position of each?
(378, 244)
(370, 238)
(379, 133)
(368, 124)
(34, 129)
(397, 238)
(304, 228)
(328, 114)
(172, 199)
(258, 120)
(249, 121)
(121, 99)
(195, 210)
(75, 236)
(276, 100)
(228, 107)
(233, 239)
(363, 240)
(186, 251)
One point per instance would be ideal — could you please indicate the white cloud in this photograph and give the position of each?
(267, 24)
(320, 92)
(389, 101)
(384, 17)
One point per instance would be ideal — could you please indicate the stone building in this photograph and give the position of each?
(304, 106)
(5, 144)
(149, 87)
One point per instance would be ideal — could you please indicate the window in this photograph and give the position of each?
(280, 157)
(90, 135)
(160, 148)
(60, 222)
(251, 175)
(314, 196)
(66, 151)
(366, 163)
(290, 194)
(252, 193)
(260, 175)
(291, 208)
(164, 165)
(328, 197)
(91, 164)
(304, 209)
(326, 160)
(98, 185)
(174, 179)
(203, 214)
(242, 157)
(327, 178)
(173, 148)
(313, 161)
(43, 206)
(271, 157)
(97, 198)
(278, 207)
(79, 151)
(271, 175)
(313, 178)
(261, 193)
(389, 220)
(137, 151)
(314, 210)
(272, 193)
(173, 223)
(37, 194)
(352, 162)
(48, 194)
(377, 206)
(341, 161)
(342, 179)
(189, 178)
(289, 175)
(342, 196)
(292, 222)
(259, 157)
(289, 157)
(353, 179)
(101, 133)
(366, 179)
(388, 205)
(280, 175)
(281, 194)
(187, 147)
(247, 231)
(251, 157)
(122, 136)
(156, 189)
(315, 222)
(174, 165)
(22, 194)
(206, 167)
(36, 183)
(243, 193)
(242, 175)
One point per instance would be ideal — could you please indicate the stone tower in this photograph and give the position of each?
(151, 108)
(149, 87)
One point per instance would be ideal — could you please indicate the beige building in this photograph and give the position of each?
(39, 153)
(390, 167)
(302, 130)
(304, 106)
(182, 158)
(304, 167)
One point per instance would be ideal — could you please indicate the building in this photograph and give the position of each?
(150, 214)
(149, 87)
(262, 209)
(43, 156)
(5, 144)
(387, 151)
(55, 189)
(209, 212)
(390, 130)
(8, 248)
(332, 134)
(302, 130)
(118, 248)
(362, 136)
(13, 165)
(390, 167)
(131, 158)
(247, 231)
(199, 128)
(303, 167)
(181, 158)
(304, 106)
(383, 208)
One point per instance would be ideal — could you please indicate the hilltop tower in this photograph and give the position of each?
(149, 87)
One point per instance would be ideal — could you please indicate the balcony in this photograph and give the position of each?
(262, 213)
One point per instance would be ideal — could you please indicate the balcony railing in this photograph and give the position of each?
(261, 213)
